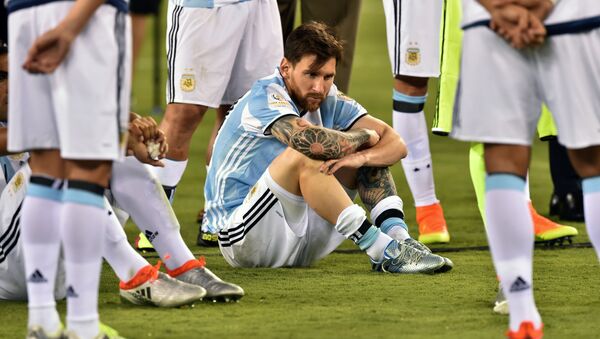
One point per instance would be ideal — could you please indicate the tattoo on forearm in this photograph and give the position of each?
(374, 185)
(317, 142)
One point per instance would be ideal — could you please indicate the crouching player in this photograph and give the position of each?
(289, 157)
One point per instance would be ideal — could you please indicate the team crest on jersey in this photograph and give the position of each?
(19, 179)
(413, 56)
(276, 100)
(187, 82)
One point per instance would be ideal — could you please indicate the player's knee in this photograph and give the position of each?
(408, 85)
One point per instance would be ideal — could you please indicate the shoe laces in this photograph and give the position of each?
(408, 254)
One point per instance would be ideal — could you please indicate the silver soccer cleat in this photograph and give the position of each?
(216, 289)
(448, 264)
(401, 257)
(163, 291)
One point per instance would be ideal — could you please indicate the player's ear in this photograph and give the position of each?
(285, 68)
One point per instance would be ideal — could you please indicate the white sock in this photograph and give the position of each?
(171, 174)
(398, 232)
(375, 251)
(591, 201)
(510, 235)
(40, 229)
(121, 257)
(417, 164)
(139, 193)
(83, 231)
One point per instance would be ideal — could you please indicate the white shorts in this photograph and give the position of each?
(413, 36)
(83, 107)
(501, 89)
(214, 55)
(274, 228)
(13, 283)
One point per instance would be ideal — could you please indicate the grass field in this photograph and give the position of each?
(339, 297)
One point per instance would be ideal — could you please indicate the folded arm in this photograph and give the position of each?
(320, 143)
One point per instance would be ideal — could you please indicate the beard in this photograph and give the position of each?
(312, 102)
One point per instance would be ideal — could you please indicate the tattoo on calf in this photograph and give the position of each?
(374, 185)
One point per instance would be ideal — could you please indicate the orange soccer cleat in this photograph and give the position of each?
(526, 331)
(432, 224)
(547, 230)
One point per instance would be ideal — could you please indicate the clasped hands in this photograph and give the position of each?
(520, 22)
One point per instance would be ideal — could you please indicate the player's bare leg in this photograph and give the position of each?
(300, 175)
(40, 228)
(510, 229)
(179, 124)
(586, 162)
(410, 94)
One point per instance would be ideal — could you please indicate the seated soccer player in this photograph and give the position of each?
(288, 160)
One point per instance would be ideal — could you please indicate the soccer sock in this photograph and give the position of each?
(40, 228)
(353, 224)
(591, 201)
(138, 192)
(170, 175)
(84, 220)
(389, 217)
(121, 257)
(510, 235)
(409, 122)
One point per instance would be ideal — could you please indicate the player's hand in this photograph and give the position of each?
(518, 26)
(539, 8)
(49, 50)
(144, 136)
(354, 160)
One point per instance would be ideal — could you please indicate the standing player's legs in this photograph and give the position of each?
(505, 122)
(199, 68)
(413, 47)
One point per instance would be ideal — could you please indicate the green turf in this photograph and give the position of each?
(339, 297)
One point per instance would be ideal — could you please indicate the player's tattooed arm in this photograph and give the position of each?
(318, 142)
(374, 185)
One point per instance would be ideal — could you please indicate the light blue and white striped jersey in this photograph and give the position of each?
(244, 147)
(206, 3)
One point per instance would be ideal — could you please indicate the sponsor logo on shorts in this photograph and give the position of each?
(413, 56)
(187, 82)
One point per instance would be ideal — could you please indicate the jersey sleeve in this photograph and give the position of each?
(266, 107)
(346, 111)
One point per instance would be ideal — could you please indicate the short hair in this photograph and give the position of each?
(313, 38)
